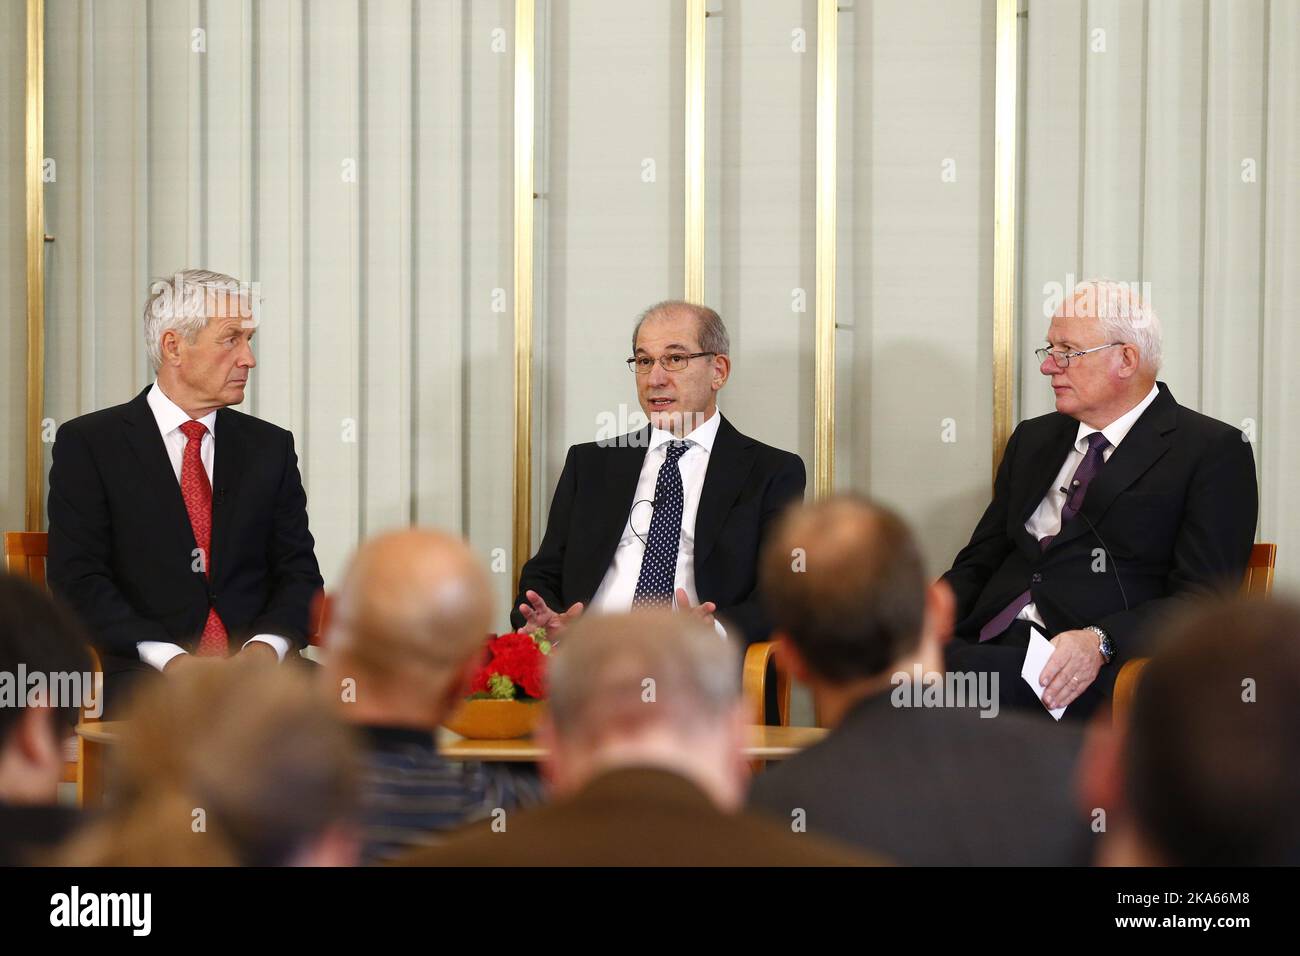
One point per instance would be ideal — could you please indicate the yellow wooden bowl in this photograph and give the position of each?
(485, 719)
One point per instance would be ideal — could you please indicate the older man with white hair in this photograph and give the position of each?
(1106, 513)
(178, 526)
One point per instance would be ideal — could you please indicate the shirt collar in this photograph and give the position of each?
(703, 435)
(171, 416)
(1120, 427)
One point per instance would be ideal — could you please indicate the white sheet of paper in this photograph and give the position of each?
(1040, 649)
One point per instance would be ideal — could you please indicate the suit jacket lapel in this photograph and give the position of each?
(227, 468)
(1141, 448)
(155, 471)
(730, 462)
(1049, 463)
(1045, 468)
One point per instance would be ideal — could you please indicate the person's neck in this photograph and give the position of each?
(702, 763)
(836, 700)
(687, 422)
(187, 403)
(395, 717)
(1104, 418)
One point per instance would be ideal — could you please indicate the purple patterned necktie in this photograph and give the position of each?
(1083, 475)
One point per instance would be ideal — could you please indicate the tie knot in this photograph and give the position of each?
(676, 449)
(1097, 442)
(194, 430)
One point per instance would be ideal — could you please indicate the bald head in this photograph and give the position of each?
(647, 689)
(414, 608)
(844, 581)
(619, 673)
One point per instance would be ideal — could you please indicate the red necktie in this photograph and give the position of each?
(197, 492)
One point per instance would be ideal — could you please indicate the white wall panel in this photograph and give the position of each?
(610, 220)
(760, 194)
(914, 383)
(13, 263)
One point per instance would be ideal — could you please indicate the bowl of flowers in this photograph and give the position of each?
(506, 696)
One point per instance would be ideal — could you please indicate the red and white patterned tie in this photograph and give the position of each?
(197, 492)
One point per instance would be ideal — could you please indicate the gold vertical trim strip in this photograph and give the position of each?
(824, 367)
(523, 276)
(1004, 225)
(35, 144)
(694, 152)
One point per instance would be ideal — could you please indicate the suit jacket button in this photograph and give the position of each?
(1036, 578)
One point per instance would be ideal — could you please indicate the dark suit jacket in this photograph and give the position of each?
(634, 817)
(121, 545)
(938, 786)
(1175, 504)
(746, 486)
(30, 834)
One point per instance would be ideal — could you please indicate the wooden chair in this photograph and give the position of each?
(1257, 583)
(25, 553)
(754, 683)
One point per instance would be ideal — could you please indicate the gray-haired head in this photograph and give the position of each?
(712, 333)
(620, 673)
(1123, 314)
(183, 302)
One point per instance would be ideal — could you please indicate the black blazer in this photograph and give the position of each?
(1175, 504)
(938, 786)
(121, 545)
(746, 486)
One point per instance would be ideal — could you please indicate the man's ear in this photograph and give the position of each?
(455, 691)
(553, 765)
(1132, 361)
(170, 347)
(1100, 773)
(37, 738)
(790, 660)
(940, 612)
(721, 370)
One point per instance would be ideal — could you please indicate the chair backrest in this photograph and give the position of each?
(1259, 572)
(25, 553)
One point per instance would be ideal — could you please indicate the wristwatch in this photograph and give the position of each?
(1103, 643)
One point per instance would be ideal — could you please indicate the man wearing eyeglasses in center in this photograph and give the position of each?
(1106, 513)
(672, 515)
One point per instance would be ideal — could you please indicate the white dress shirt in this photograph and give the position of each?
(1046, 518)
(170, 417)
(619, 584)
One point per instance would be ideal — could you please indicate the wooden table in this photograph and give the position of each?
(765, 743)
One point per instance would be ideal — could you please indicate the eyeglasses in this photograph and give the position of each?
(672, 362)
(1062, 359)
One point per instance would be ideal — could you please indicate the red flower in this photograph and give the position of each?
(517, 657)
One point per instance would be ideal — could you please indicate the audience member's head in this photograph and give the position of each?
(647, 689)
(1207, 770)
(845, 587)
(407, 629)
(228, 763)
(44, 663)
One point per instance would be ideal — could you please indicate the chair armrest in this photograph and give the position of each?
(1126, 687)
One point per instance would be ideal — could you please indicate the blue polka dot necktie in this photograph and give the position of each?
(654, 587)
